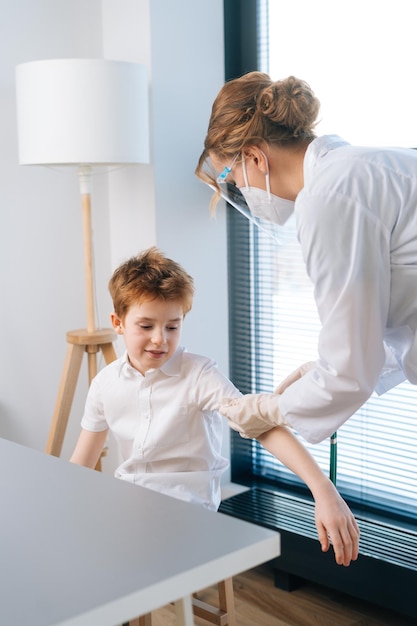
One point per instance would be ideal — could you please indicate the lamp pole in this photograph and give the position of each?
(89, 340)
(84, 175)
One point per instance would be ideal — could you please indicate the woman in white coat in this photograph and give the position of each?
(356, 215)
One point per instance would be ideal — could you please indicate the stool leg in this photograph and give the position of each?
(227, 600)
(224, 614)
(64, 400)
(109, 352)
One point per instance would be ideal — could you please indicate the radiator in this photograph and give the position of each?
(384, 574)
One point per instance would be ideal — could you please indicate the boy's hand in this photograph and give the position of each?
(253, 414)
(336, 525)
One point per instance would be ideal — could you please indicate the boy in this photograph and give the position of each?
(160, 403)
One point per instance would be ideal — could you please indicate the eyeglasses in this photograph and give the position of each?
(233, 196)
(221, 178)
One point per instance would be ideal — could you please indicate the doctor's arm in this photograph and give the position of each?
(335, 522)
(351, 278)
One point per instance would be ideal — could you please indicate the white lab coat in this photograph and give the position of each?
(357, 226)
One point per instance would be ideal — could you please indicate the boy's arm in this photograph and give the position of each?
(335, 522)
(88, 448)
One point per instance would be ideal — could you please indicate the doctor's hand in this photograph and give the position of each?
(294, 376)
(253, 414)
(336, 524)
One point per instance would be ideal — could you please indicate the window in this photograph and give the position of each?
(368, 96)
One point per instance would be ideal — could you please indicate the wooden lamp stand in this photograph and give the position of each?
(90, 340)
(86, 112)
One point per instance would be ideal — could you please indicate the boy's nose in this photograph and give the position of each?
(158, 337)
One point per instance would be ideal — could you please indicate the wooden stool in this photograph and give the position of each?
(223, 615)
(79, 342)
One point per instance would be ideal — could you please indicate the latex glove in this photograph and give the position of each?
(294, 376)
(253, 414)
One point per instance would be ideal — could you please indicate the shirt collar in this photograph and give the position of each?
(171, 368)
(318, 149)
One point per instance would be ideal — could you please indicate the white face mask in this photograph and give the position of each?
(262, 203)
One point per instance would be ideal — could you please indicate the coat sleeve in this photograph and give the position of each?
(346, 252)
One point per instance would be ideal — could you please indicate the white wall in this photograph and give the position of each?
(41, 269)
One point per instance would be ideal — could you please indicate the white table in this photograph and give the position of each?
(80, 548)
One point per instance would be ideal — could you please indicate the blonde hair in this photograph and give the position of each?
(253, 109)
(150, 276)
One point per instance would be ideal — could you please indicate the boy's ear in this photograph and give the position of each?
(116, 323)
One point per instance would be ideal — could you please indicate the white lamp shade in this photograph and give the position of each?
(82, 111)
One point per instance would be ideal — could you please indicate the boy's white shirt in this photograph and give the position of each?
(166, 424)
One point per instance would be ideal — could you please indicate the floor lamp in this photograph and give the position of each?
(82, 113)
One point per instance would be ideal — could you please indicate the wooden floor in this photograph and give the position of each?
(259, 603)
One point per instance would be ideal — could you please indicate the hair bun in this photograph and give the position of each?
(291, 103)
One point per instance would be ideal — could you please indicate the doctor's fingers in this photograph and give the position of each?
(294, 376)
